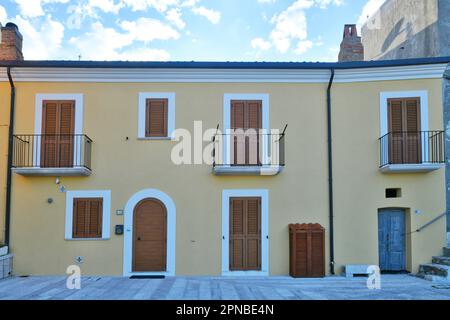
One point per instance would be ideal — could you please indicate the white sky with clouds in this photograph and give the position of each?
(225, 30)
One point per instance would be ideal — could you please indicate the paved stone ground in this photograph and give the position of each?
(399, 287)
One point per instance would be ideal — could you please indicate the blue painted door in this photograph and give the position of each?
(391, 238)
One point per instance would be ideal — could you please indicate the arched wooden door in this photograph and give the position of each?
(149, 236)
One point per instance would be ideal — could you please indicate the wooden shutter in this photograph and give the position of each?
(49, 140)
(245, 115)
(87, 217)
(57, 140)
(404, 129)
(66, 138)
(237, 234)
(245, 234)
(413, 135)
(156, 118)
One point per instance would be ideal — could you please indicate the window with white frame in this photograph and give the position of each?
(88, 214)
(156, 115)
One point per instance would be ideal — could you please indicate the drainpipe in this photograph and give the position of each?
(330, 173)
(10, 158)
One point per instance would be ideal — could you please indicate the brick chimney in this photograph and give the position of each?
(352, 48)
(11, 43)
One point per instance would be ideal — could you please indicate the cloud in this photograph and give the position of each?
(3, 15)
(261, 44)
(291, 28)
(369, 10)
(212, 15)
(148, 29)
(144, 54)
(33, 8)
(174, 16)
(107, 6)
(290, 25)
(141, 5)
(103, 43)
(303, 46)
(323, 4)
(44, 42)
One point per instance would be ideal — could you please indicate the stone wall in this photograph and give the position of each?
(407, 29)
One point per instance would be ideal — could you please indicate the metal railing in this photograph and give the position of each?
(249, 148)
(421, 147)
(52, 151)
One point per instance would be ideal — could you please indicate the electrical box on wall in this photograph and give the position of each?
(119, 229)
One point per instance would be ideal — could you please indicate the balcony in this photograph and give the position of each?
(248, 153)
(52, 155)
(409, 152)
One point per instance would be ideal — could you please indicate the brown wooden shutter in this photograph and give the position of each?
(66, 129)
(245, 234)
(87, 217)
(156, 118)
(245, 115)
(413, 135)
(404, 129)
(253, 243)
(57, 141)
(237, 235)
(49, 134)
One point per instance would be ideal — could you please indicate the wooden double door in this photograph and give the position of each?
(149, 236)
(57, 140)
(405, 140)
(246, 122)
(245, 234)
(392, 239)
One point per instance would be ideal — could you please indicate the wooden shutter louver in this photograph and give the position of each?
(404, 129)
(87, 217)
(245, 234)
(57, 140)
(246, 120)
(156, 118)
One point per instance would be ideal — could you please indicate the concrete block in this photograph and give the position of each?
(6, 265)
(351, 269)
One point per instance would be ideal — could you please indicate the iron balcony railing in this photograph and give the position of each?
(52, 151)
(249, 148)
(421, 147)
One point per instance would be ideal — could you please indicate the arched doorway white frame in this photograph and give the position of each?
(128, 231)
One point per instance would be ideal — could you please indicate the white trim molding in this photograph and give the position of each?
(128, 234)
(264, 195)
(384, 96)
(424, 126)
(78, 129)
(106, 218)
(227, 98)
(161, 75)
(143, 96)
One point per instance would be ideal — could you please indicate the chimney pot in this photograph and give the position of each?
(11, 42)
(352, 48)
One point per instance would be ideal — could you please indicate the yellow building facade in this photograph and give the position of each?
(127, 166)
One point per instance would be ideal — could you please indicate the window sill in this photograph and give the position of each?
(156, 138)
(267, 170)
(411, 168)
(86, 239)
(52, 172)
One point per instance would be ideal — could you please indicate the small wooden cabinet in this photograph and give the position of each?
(306, 251)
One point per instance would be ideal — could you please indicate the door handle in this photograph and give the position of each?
(139, 238)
